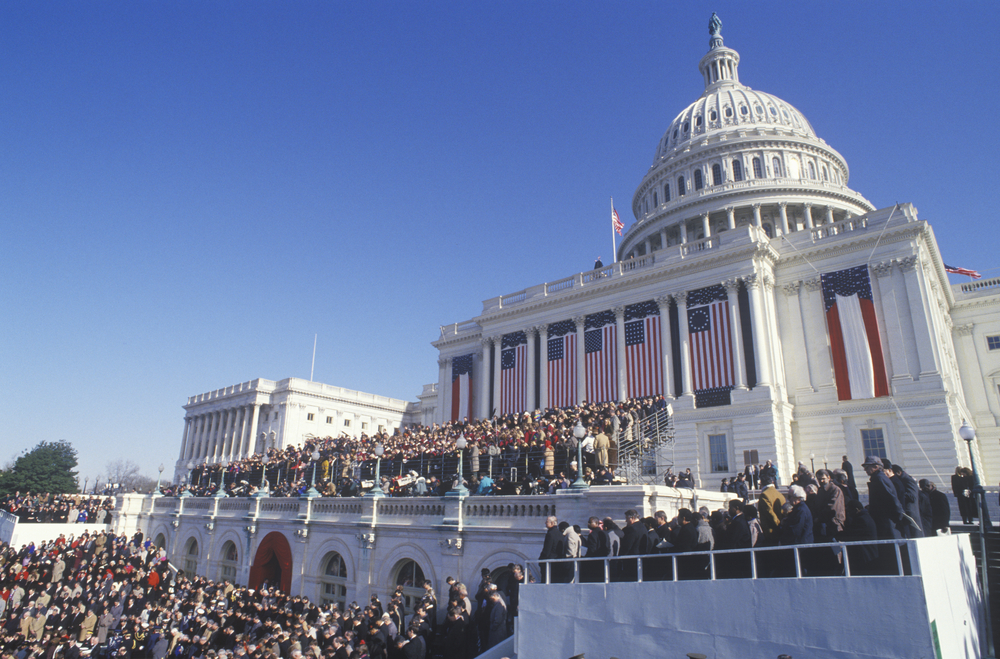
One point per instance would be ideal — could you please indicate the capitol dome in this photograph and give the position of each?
(737, 157)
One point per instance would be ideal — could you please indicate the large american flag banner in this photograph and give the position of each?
(461, 387)
(710, 331)
(599, 341)
(562, 364)
(858, 364)
(643, 350)
(513, 372)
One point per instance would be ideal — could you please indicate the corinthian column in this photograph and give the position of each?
(666, 349)
(543, 366)
(681, 300)
(529, 390)
(736, 336)
(581, 360)
(483, 395)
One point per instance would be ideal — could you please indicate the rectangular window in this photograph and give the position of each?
(364, 425)
(993, 342)
(309, 417)
(229, 573)
(347, 423)
(329, 419)
(718, 452)
(381, 428)
(873, 442)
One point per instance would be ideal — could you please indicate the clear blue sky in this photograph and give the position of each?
(189, 191)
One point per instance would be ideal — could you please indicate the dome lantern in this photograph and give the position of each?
(721, 64)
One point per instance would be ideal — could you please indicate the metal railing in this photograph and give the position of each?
(642, 450)
(891, 559)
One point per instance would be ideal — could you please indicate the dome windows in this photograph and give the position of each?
(784, 113)
(812, 171)
(716, 175)
(697, 121)
(713, 116)
(744, 110)
(666, 192)
(729, 112)
(698, 183)
(758, 172)
(655, 200)
(826, 174)
(680, 186)
(758, 109)
(774, 112)
(687, 126)
(675, 134)
(776, 167)
(737, 170)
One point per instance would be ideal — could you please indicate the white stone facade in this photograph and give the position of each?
(234, 422)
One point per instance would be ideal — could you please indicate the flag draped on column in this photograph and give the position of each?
(561, 364)
(461, 387)
(643, 350)
(858, 363)
(709, 326)
(514, 372)
(600, 339)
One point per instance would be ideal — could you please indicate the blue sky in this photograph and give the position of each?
(189, 191)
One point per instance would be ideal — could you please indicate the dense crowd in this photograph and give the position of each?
(109, 596)
(517, 454)
(817, 508)
(58, 508)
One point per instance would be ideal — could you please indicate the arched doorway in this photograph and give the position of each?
(410, 576)
(272, 563)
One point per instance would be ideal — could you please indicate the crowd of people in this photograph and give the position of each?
(824, 507)
(524, 453)
(58, 508)
(110, 596)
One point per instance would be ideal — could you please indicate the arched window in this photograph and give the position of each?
(776, 166)
(729, 112)
(757, 171)
(229, 563)
(160, 541)
(826, 175)
(411, 578)
(812, 171)
(716, 175)
(656, 201)
(334, 581)
(681, 190)
(666, 192)
(191, 558)
(698, 185)
(713, 115)
(737, 170)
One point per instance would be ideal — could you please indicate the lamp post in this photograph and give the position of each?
(460, 490)
(968, 433)
(376, 490)
(159, 478)
(579, 485)
(826, 465)
(187, 480)
(812, 462)
(221, 492)
(312, 492)
(262, 491)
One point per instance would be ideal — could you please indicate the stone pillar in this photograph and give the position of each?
(829, 214)
(736, 336)
(620, 352)
(497, 380)
(807, 211)
(663, 238)
(798, 339)
(756, 216)
(484, 380)
(197, 450)
(543, 366)
(684, 231)
(231, 440)
(581, 360)
(213, 433)
(647, 245)
(784, 216)
(758, 316)
(185, 438)
(529, 390)
(237, 438)
(686, 385)
(444, 400)
(918, 301)
(731, 217)
(666, 349)
(706, 226)
(254, 415)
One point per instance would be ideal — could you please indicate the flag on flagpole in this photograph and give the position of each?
(599, 340)
(461, 387)
(616, 222)
(562, 364)
(962, 271)
(643, 350)
(858, 364)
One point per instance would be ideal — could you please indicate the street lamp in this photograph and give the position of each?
(221, 492)
(968, 433)
(812, 462)
(187, 478)
(579, 484)
(460, 490)
(159, 478)
(376, 491)
(312, 492)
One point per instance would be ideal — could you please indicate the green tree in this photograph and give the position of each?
(46, 468)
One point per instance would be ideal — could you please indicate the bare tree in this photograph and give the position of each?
(122, 472)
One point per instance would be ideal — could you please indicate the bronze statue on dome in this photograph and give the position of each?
(714, 25)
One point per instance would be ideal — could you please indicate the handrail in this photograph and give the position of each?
(635, 573)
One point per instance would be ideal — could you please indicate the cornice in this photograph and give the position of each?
(870, 405)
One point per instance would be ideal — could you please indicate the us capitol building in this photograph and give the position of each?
(777, 309)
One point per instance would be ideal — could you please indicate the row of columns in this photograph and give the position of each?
(786, 228)
(226, 434)
(763, 356)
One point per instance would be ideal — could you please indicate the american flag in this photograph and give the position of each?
(602, 358)
(643, 350)
(710, 329)
(514, 372)
(858, 363)
(962, 271)
(461, 387)
(562, 364)
(616, 221)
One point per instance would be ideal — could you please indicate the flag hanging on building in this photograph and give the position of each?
(461, 387)
(962, 271)
(616, 222)
(562, 364)
(643, 350)
(599, 340)
(513, 372)
(710, 332)
(858, 363)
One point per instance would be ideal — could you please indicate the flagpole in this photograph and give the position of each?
(614, 243)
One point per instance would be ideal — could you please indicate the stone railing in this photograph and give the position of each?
(697, 246)
(460, 328)
(981, 285)
(829, 230)
(408, 508)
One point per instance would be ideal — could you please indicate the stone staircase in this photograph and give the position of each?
(646, 451)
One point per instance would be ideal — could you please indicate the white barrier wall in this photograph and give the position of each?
(22, 534)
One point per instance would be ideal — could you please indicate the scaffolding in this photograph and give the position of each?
(646, 449)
